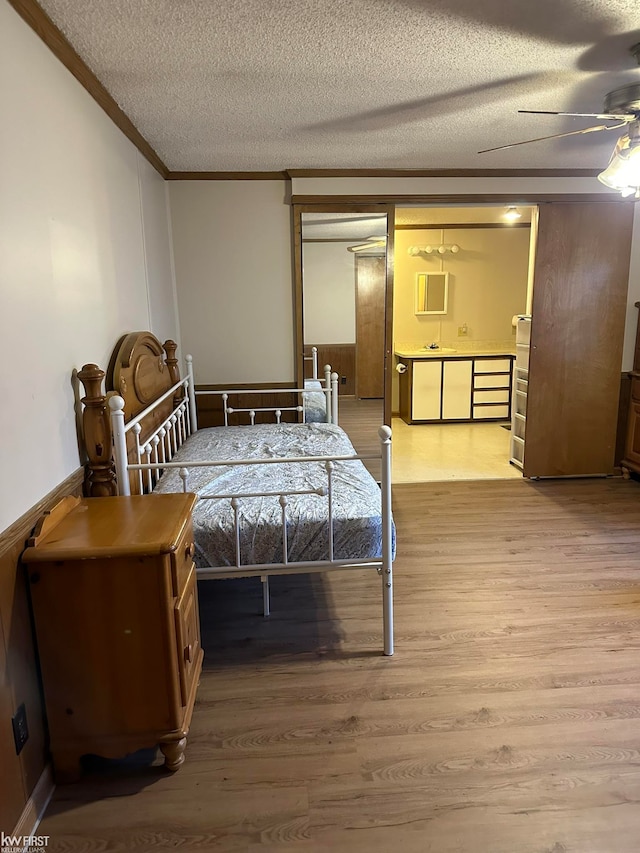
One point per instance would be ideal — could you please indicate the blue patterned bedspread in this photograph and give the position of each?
(356, 495)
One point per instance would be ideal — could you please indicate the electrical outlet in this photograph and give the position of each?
(20, 728)
(343, 380)
(463, 331)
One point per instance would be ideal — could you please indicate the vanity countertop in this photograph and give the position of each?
(447, 352)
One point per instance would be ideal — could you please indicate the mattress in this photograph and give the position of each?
(356, 495)
(315, 402)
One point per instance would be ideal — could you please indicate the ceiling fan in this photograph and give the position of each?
(621, 106)
(370, 245)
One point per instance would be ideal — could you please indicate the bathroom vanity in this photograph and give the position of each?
(439, 385)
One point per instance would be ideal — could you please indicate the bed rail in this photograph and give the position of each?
(153, 458)
(144, 447)
(313, 358)
(329, 389)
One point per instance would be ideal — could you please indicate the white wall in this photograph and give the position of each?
(234, 273)
(83, 221)
(329, 301)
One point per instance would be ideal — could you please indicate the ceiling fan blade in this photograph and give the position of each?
(611, 117)
(557, 136)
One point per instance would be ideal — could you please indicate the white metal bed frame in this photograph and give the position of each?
(154, 456)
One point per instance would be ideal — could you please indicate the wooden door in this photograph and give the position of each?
(577, 331)
(370, 326)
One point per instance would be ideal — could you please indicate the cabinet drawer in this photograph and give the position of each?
(491, 396)
(484, 412)
(492, 365)
(492, 381)
(188, 636)
(182, 560)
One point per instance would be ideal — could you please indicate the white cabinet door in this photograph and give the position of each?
(456, 400)
(426, 391)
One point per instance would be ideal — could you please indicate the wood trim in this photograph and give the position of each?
(36, 804)
(388, 333)
(18, 660)
(20, 530)
(462, 226)
(226, 176)
(342, 358)
(445, 198)
(624, 404)
(442, 173)
(298, 304)
(43, 26)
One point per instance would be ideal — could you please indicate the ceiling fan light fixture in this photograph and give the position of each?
(511, 214)
(373, 244)
(623, 172)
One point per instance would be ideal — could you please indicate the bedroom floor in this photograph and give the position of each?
(506, 721)
(432, 452)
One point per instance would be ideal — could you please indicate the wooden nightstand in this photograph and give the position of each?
(115, 602)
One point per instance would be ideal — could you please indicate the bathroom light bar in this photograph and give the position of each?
(442, 249)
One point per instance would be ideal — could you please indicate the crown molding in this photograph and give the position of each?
(43, 26)
(442, 173)
(227, 176)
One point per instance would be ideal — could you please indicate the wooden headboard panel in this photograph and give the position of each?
(141, 369)
(139, 372)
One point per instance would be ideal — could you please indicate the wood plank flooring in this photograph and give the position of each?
(508, 720)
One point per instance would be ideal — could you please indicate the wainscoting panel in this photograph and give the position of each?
(19, 680)
(211, 413)
(342, 358)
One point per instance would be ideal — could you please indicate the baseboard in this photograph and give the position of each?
(36, 804)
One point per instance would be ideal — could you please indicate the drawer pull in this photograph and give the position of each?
(190, 550)
(188, 653)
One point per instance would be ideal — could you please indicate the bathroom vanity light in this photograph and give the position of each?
(442, 249)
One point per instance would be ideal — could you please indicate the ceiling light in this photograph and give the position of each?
(414, 251)
(623, 172)
(511, 214)
(370, 245)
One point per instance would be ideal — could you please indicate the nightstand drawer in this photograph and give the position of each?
(182, 560)
(188, 636)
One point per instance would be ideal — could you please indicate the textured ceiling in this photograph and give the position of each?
(258, 85)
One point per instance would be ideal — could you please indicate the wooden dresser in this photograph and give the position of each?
(113, 587)
(631, 460)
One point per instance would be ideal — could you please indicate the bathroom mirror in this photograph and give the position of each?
(342, 307)
(432, 292)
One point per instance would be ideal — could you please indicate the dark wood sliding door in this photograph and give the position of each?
(577, 331)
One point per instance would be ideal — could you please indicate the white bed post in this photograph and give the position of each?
(116, 404)
(327, 385)
(387, 540)
(334, 398)
(327, 395)
(191, 391)
(314, 362)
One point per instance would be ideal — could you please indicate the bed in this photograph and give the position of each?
(317, 400)
(273, 498)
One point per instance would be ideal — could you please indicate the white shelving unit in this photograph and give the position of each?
(520, 390)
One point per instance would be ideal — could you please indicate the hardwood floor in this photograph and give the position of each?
(507, 722)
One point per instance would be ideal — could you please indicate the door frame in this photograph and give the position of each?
(345, 207)
(388, 203)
